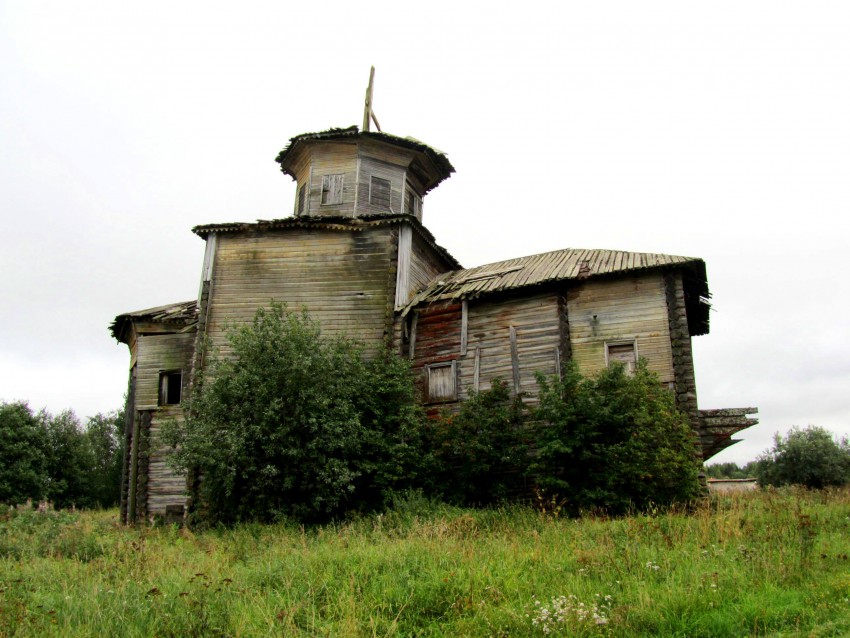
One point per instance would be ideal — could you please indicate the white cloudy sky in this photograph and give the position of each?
(719, 130)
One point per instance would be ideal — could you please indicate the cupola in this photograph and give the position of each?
(346, 172)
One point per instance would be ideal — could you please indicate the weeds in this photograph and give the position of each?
(773, 563)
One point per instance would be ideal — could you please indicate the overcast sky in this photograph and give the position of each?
(718, 130)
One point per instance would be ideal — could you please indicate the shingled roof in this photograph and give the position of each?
(569, 264)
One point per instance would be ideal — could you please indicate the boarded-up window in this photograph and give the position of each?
(332, 189)
(379, 192)
(170, 387)
(412, 203)
(302, 196)
(441, 379)
(625, 353)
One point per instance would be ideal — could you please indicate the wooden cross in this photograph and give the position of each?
(367, 109)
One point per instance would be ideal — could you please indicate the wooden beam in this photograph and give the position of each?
(367, 109)
(515, 360)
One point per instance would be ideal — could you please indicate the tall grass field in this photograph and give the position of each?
(773, 563)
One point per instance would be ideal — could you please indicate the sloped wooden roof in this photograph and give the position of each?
(183, 313)
(564, 265)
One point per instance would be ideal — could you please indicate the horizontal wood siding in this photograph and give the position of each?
(631, 308)
(425, 264)
(340, 277)
(394, 173)
(157, 353)
(536, 322)
(165, 486)
(333, 159)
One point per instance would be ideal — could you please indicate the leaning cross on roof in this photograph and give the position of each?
(367, 109)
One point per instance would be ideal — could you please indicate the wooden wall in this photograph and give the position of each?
(606, 310)
(164, 486)
(157, 353)
(333, 159)
(537, 337)
(156, 484)
(488, 350)
(342, 277)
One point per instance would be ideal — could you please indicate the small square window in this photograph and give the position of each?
(170, 387)
(379, 192)
(442, 384)
(332, 189)
(624, 352)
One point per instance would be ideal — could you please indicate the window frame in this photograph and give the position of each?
(328, 190)
(619, 343)
(452, 365)
(165, 385)
(389, 203)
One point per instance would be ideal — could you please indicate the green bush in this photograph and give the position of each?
(481, 454)
(613, 441)
(809, 457)
(291, 424)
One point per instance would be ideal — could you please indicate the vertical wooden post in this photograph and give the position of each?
(367, 109)
(515, 360)
(464, 326)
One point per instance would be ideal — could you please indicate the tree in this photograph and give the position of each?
(728, 470)
(481, 452)
(69, 459)
(293, 424)
(809, 457)
(23, 467)
(613, 441)
(103, 439)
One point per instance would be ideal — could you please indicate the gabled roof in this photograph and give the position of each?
(438, 158)
(184, 313)
(569, 264)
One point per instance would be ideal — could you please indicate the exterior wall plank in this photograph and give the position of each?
(632, 308)
(339, 277)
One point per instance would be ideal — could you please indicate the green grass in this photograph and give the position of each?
(765, 564)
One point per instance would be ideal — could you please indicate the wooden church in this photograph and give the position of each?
(356, 255)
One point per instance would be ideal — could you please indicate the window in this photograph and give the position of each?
(170, 387)
(302, 193)
(332, 189)
(379, 192)
(412, 203)
(625, 352)
(441, 381)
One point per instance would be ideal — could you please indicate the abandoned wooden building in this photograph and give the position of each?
(357, 257)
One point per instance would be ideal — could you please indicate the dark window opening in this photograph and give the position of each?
(379, 192)
(170, 387)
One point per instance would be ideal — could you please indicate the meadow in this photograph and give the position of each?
(773, 563)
